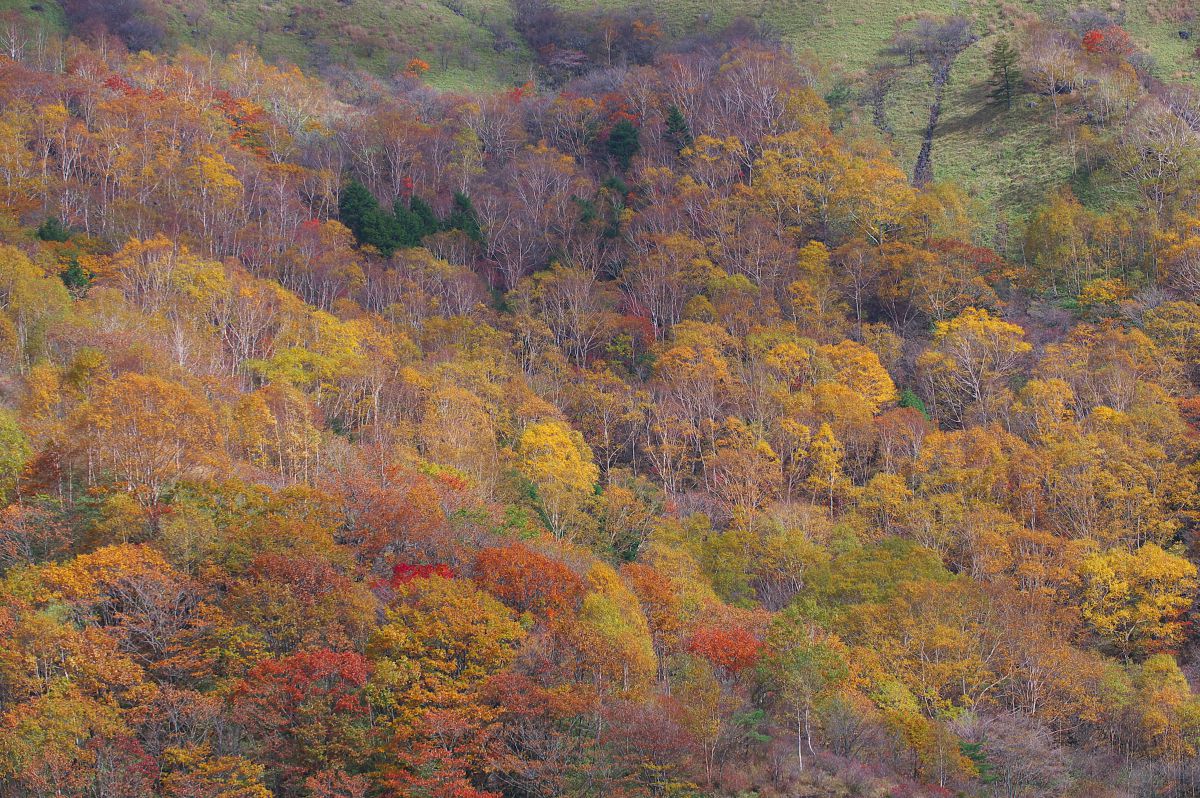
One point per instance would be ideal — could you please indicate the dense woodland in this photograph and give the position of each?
(643, 430)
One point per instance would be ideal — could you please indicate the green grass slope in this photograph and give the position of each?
(469, 44)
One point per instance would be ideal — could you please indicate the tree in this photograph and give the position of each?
(661, 606)
(1164, 712)
(30, 300)
(194, 772)
(623, 143)
(410, 220)
(577, 308)
(1135, 600)
(145, 432)
(32, 533)
(663, 275)
(858, 368)
(745, 472)
(802, 666)
(307, 712)
(609, 412)
(969, 363)
(15, 452)
(704, 706)
(1005, 75)
(1024, 756)
(1051, 66)
(611, 635)
(560, 464)
(130, 20)
(430, 770)
(678, 132)
(528, 581)
(1157, 151)
(63, 742)
(825, 476)
(277, 429)
(457, 636)
(1111, 40)
(729, 646)
(462, 217)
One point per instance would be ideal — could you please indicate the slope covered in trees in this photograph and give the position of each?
(864, 55)
(641, 431)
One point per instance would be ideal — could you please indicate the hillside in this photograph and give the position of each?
(471, 44)
(663, 412)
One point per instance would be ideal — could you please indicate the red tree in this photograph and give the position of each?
(731, 648)
(527, 581)
(307, 712)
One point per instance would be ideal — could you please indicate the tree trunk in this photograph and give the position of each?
(800, 739)
(808, 733)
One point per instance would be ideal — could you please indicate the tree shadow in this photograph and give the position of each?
(986, 118)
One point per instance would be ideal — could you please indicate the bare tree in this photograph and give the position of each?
(1157, 150)
(1050, 66)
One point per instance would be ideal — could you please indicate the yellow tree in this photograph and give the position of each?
(559, 463)
(277, 427)
(15, 451)
(745, 472)
(215, 192)
(825, 453)
(1134, 600)
(440, 642)
(807, 176)
(145, 432)
(859, 369)
(30, 299)
(611, 633)
(1164, 711)
(972, 357)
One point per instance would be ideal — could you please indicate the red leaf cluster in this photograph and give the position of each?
(730, 648)
(404, 572)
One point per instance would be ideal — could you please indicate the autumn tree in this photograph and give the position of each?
(528, 581)
(803, 667)
(307, 711)
(969, 363)
(560, 465)
(459, 635)
(1134, 600)
(16, 452)
(611, 634)
(145, 432)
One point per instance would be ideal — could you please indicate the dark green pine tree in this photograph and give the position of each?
(384, 232)
(359, 210)
(426, 220)
(1005, 76)
(679, 132)
(462, 217)
(53, 230)
(355, 207)
(75, 277)
(407, 224)
(623, 143)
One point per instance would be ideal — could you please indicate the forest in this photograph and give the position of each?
(648, 428)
